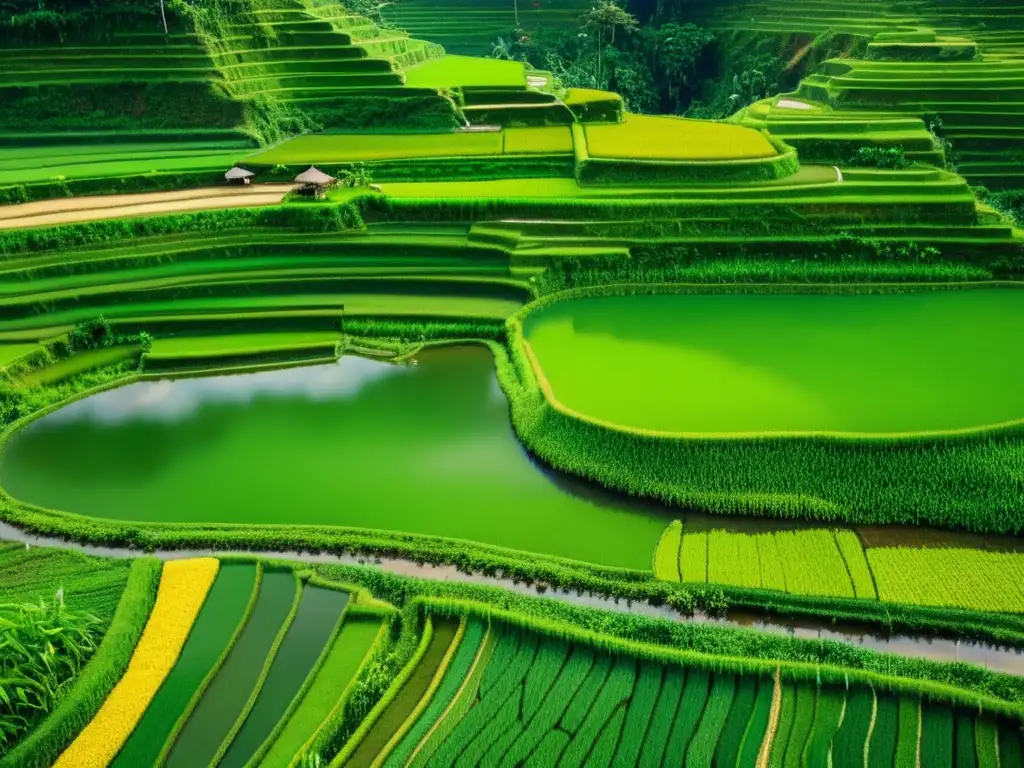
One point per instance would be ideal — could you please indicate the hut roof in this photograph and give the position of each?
(238, 173)
(314, 176)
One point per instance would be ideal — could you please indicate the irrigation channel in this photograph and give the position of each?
(425, 448)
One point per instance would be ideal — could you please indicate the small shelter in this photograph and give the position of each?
(314, 182)
(238, 175)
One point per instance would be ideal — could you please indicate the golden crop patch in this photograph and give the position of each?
(184, 585)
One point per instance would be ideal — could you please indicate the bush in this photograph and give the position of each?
(888, 158)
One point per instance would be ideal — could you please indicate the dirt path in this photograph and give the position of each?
(68, 210)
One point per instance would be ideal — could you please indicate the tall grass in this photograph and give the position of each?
(43, 646)
(46, 742)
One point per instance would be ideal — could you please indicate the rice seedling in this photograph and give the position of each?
(464, 699)
(882, 750)
(588, 693)
(667, 553)
(827, 715)
(773, 573)
(849, 745)
(701, 751)
(909, 730)
(856, 563)
(688, 715)
(493, 703)
(757, 727)
(638, 713)
(986, 741)
(183, 588)
(813, 563)
(957, 578)
(603, 753)
(549, 751)
(936, 735)
(730, 743)
(548, 663)
(616, 691)
(803, 721)
(966, 750)
(505, 718)
(732, 559)
(693, 556)
(566, 689)
(663, 716)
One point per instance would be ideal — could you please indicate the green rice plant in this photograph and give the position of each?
(986, 741)
(549, 751)
(89, 584)
(504, 719)
(730, 743)
(1011, 751)
(757, 726)
(803, 721)
(773, 574)
(693, 556)
(401, 697)
(43, 646)
(813, 563)
(218, 622)
(936, 735)
(615, 693)
(909, 731)
(638, 713)
(958, 578)
(856, 563)
(566, 689)
(701, 751)
(882, 750)
(688, 715)
(787, 713)
(545, 671)
(827, 716)
(350, 649)
(664, 715)
(588, 693)
(966, 750)
(464, 699)
(850, 743)
(506, 685)
(505, 652)
(667, 553)
(603, 754)
(454, 677)
(732, 559)
(548, 663)
(48, 740)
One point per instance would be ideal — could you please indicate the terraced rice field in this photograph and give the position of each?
(664, 138)
(368, 147)
(466, 71)
(512, 697)
(741, 364)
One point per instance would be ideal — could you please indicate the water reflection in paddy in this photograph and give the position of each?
(425, 448)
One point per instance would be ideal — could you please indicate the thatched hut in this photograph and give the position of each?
(238, 175)
(314, 182)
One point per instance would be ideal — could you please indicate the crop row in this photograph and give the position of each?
(234, 663)
(802, 561)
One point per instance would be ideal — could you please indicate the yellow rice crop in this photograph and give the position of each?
(183, 588)
(955, 578)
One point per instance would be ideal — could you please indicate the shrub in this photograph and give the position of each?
(890, 158)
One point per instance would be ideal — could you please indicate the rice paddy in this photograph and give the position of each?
(741, 364)
(716, 367)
